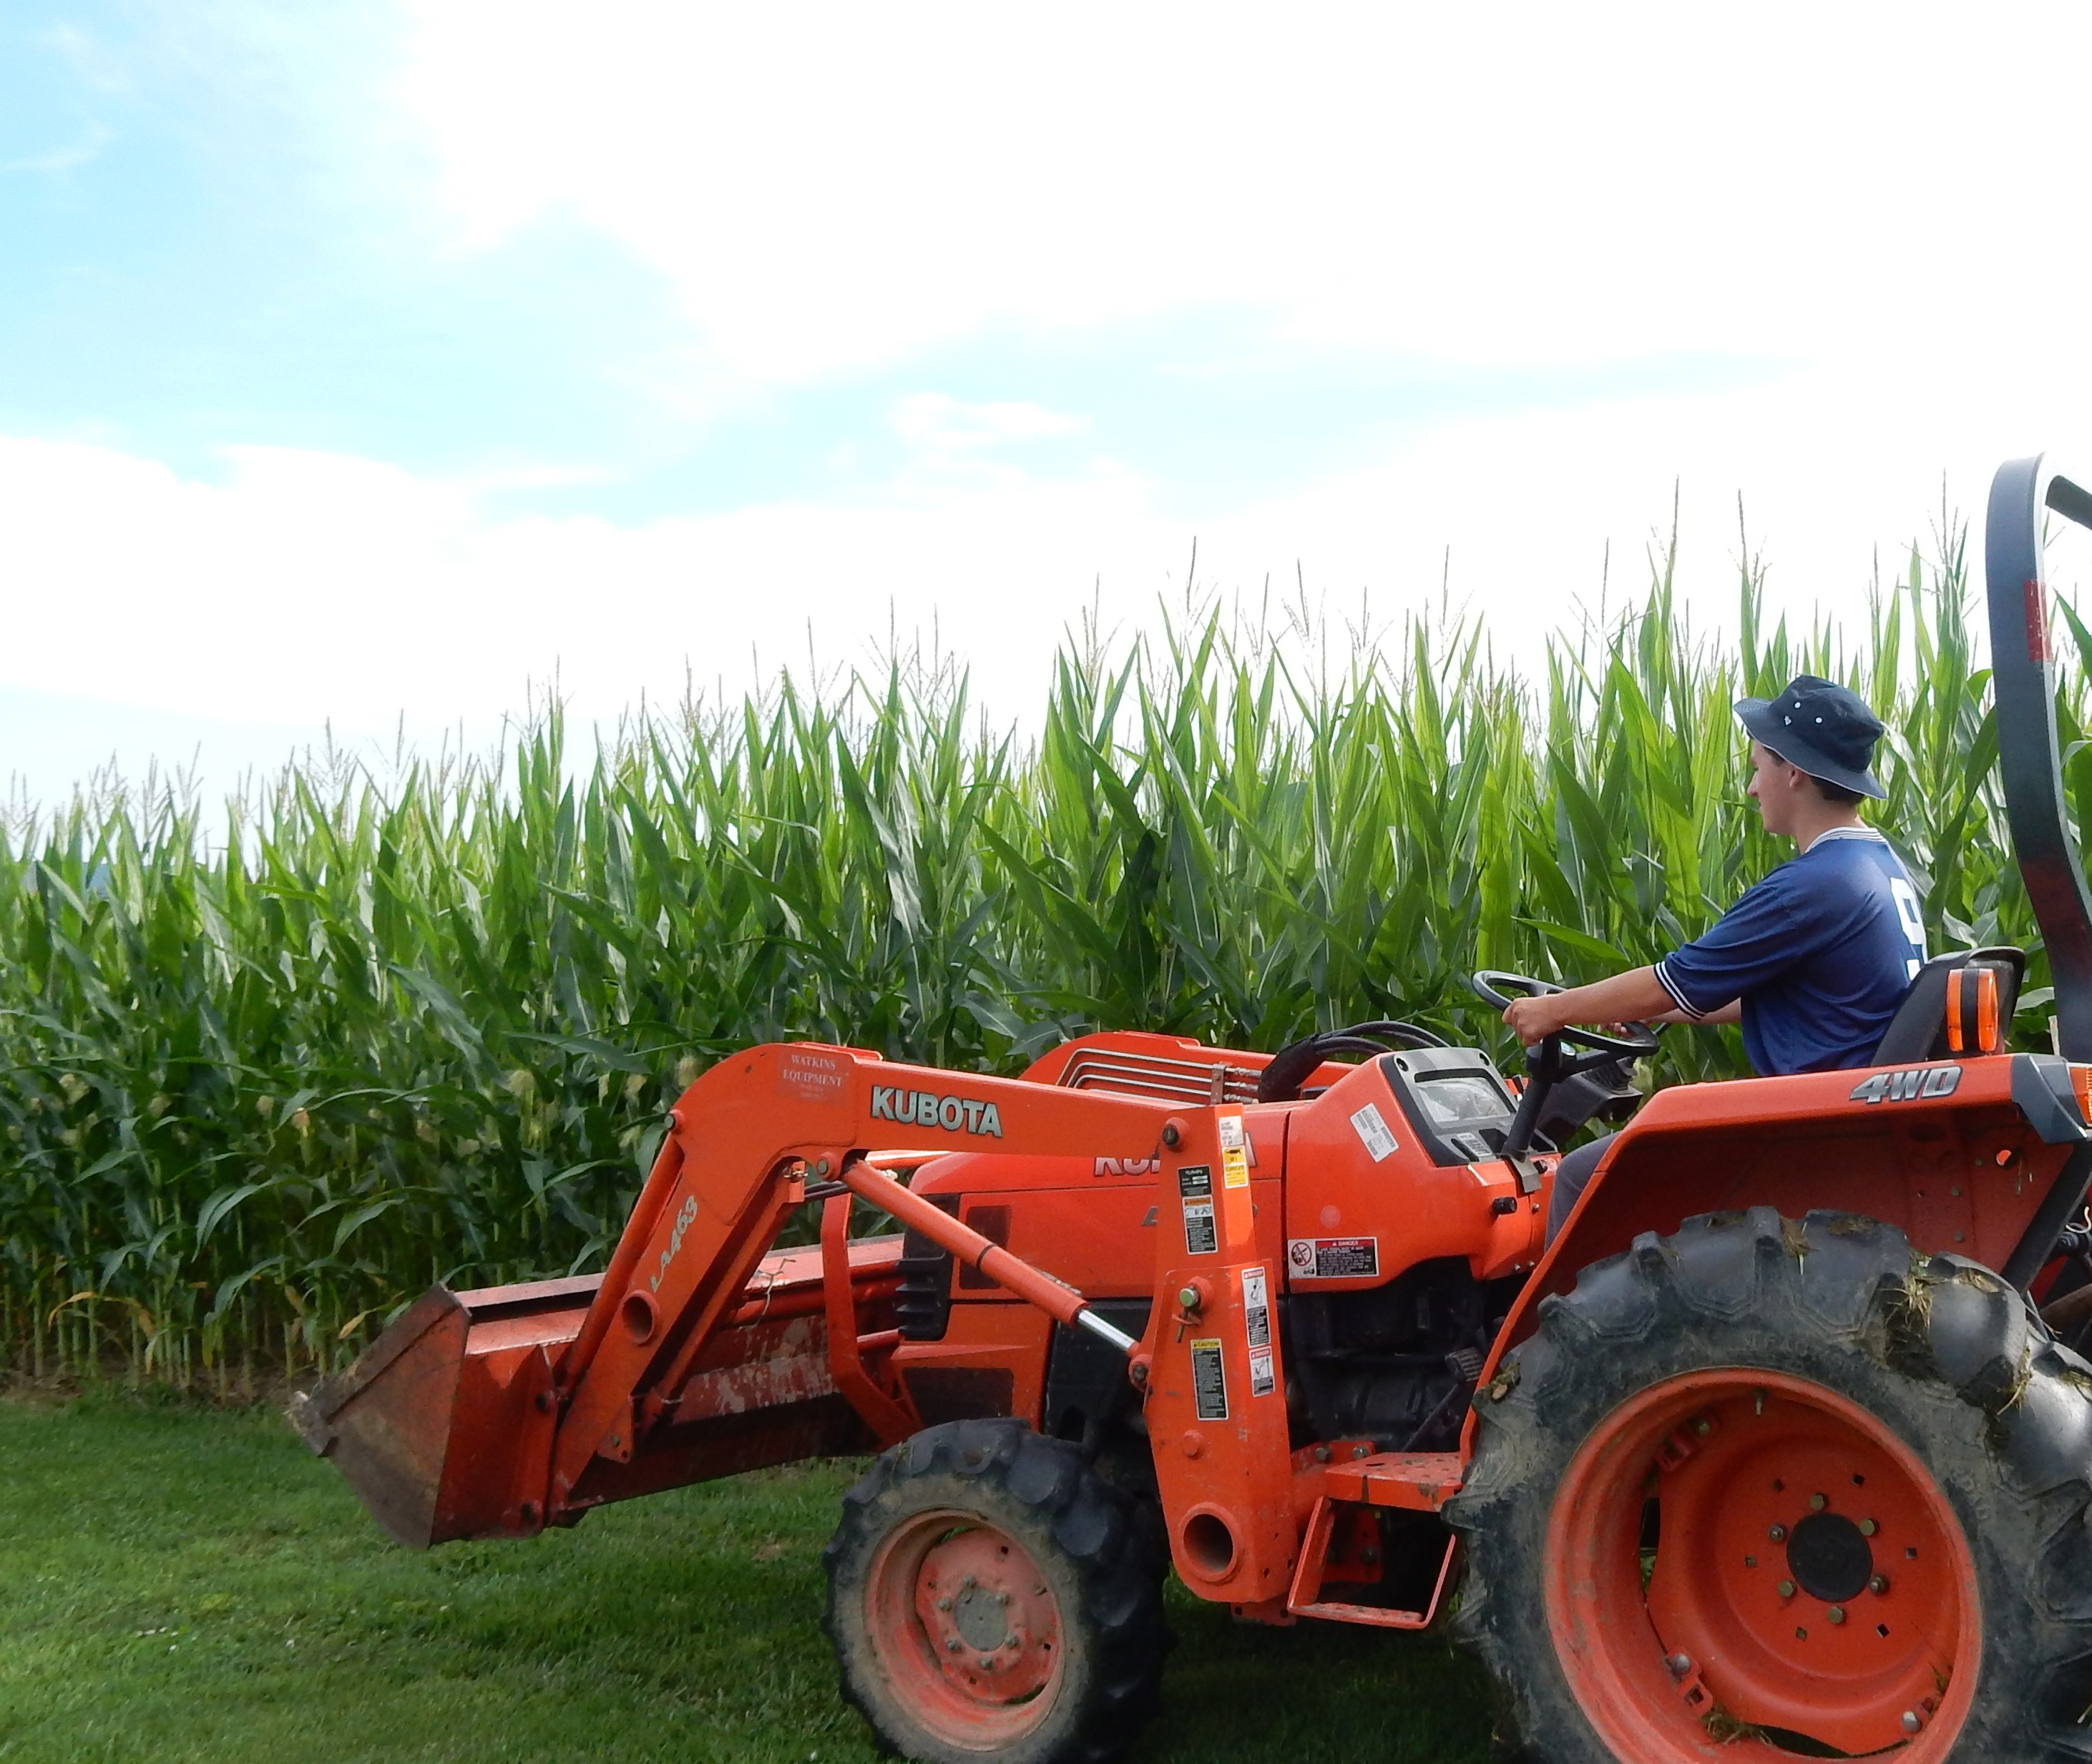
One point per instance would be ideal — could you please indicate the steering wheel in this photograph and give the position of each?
(1549, 1063)
(1639, 1043)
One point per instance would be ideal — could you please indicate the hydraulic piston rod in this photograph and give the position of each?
(1056, 1298)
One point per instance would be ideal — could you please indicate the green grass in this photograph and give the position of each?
(177, 1584)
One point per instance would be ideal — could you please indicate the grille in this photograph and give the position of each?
(1156, 1075)
(922, 1301)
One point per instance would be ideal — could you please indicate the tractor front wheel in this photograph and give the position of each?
(990, 1597)
(1784, 1489)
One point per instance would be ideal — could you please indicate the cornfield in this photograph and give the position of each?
(264, 1076)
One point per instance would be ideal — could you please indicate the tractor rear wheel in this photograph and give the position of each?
(990, 1596)
(1784, 1489)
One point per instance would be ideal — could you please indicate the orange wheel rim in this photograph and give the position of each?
(966, 1628)
(1745, 1558)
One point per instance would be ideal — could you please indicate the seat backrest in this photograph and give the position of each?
(1960, 1003)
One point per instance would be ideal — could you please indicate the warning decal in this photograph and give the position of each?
(1256, 1307)
(1333, 1259)
(1202, 1232)
(1209, 1379)
(1256, 1325)
(1234, 1161)
(1202, 1235)
(1373, 1132)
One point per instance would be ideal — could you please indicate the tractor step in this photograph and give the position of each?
(1421, 1480)
(1334, 1530)
(1331, 1555)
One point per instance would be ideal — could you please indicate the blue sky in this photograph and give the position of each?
(197, 271)
(362, 364)
(193, 264)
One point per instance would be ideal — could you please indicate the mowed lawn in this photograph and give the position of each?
(177, 1584)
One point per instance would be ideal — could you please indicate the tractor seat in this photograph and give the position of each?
(1958, 1003)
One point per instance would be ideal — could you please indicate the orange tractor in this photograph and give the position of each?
(1770, 1453)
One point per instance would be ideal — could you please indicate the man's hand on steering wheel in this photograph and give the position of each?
(1542, 1014)
(1538, 1010)
(1535, 1019)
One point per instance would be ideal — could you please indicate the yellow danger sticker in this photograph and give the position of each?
(1234, 1160)
(1209, 1379)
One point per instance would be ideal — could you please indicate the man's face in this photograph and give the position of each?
(1771, 787)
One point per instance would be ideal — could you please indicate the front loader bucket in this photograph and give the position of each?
(427, 1426)
(440, 1428)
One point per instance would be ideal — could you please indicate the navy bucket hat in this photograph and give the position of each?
(1824, 728)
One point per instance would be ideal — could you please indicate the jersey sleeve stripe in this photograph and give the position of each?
(1663, 979)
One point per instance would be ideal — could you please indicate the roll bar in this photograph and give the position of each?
(2023, 689)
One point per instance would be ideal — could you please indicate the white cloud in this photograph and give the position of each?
(952, 445)
(311, 586)
(68, 158)
(90, 59)
(933, 419)
(831, 186)
(1862, 199)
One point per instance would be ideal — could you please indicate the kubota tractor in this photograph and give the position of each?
(1770, 1454)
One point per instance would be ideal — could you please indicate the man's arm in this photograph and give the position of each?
(1755, 942)
(1730, 1012)
(1637, 996)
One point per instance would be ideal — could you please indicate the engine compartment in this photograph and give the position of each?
(1398, 1241)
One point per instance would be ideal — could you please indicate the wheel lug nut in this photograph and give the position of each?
(1817, 1502)
(1777, 1534)
(1836, 1614)
(1679, 1664)
(1911, 1721)
(1878, 1584)
(944, 1604)
(1702, 1427)
(1010, 1642)
(1787, 1589)
(1002, 1598)
(987, 1662)
(1868, 1528)
(954, 1644)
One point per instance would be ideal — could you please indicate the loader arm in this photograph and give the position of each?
(747, 1138)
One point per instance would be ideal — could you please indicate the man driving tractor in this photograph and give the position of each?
(1814, 959)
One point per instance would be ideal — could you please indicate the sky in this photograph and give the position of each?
(368, 367)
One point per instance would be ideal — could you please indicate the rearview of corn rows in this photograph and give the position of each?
(266, 1072)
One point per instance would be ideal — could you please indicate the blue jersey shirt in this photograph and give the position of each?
(1820, 952)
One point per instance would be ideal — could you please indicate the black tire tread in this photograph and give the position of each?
(1945, 1351)
(1040, 1489)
